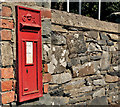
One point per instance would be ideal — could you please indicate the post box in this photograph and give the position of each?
(29, 53)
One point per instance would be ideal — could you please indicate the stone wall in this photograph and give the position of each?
(85, 58)
(8, 94)
(80, 58)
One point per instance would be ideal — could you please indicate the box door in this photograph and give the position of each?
(29, 53)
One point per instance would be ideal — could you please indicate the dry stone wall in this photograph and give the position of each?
(81, 58)
(85, 58)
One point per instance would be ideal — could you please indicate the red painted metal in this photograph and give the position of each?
(29, 48)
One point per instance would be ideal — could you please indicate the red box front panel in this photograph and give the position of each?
(29, 53)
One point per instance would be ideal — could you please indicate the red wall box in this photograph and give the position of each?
(29, 53)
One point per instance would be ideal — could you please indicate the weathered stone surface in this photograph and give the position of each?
(82, 21)
(116, 68)
(46, 26)
(105, 61)
(114, 37)
(93, 47)
(99, 93)
(99, 101)
(104, 36)
(58, 28)
(91, 34)
(110, 43)
(79, 99)
(74, 84)
(57, 92)
(60, 100)
(58, 39)
(95, 58)
(109, 78)
(75, 42)
(45, 100)
(51, 68)
(100, 82)
(6, 54)
(91, 40)
(61, 78)
(59, 69)
(102, 42)
(86, 89)
(83, 70)
(84, 59)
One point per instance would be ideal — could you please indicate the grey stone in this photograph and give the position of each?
(57, 92)
(83, 70)
(74, 84)
(100, 82)
(102, 42)
(86, 89)
(58, 39)
(93, 47)
(60, 100)
(91, 40)
(61, 78)
(99, 93)
(51, 68)
(104, 36)
(76, 45)
(115, 98)
(46, 27)
(81, 103)
(79, 99)
(91, 34)
(84, 59)
(105, 61)
(46, 40)
(75, 61)
(6, 54)
(110, 43)
(45, 100)
(99, 101)
(105, 48)
(95, 58)
(59, 69)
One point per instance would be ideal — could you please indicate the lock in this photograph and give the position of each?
(27, 70)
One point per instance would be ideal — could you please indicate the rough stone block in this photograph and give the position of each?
(58, 39)
(105, 61)
(114, 37)
(100, 82)
(8, 97)
(109, 78)
(6, 11)
(46, 26)
(6, 85)
(83, 70)
(76, 44)
(99, 93)
(60, 100)
(61, 78)
(99, 101)
(6, 53)
(104, 36)
(91, 34)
